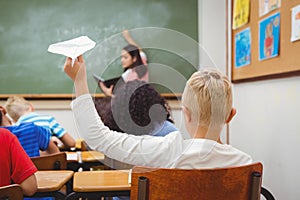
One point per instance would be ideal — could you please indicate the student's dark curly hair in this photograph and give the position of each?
(103, 107)
(137, 108)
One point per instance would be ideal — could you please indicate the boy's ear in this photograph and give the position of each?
(31, 107)
(2, 109)
(187, 114)
(231, 115)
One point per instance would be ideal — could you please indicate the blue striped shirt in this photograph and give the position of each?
(32, 138)
(45, 121)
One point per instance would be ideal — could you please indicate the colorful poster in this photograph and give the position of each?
(295, 33)
(242, 48)
(269, 29)
(266, 6)
(240, 13)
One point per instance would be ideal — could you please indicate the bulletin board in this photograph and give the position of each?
(287, 63)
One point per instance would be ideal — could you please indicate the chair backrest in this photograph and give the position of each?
(11, 192)
(243, 182)
(56, 161)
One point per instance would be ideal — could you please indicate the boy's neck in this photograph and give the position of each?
(202, 133)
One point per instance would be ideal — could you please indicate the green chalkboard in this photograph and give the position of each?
(167, 30)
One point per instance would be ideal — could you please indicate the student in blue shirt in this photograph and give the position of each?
(20, 110)
(33, 138)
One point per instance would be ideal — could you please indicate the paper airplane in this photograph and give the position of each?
(72, 48)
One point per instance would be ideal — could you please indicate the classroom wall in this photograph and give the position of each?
(267, 127)
(212, 34)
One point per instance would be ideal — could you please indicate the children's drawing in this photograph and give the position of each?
(269, 29)
(295, 33)
(266, 6)
(240, 13)
(242, 48)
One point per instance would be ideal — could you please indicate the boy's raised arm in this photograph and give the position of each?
(77, 73)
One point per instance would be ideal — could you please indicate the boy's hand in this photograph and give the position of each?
(77, 71)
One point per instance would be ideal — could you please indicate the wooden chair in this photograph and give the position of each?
(11, 192)
(56, 161)
(242, 182)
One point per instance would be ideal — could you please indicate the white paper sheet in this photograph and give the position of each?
(72, 156)
(72, 48)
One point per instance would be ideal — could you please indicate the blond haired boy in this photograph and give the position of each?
(21, 110)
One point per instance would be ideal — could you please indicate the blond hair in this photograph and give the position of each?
(16, 106)
(208, 96)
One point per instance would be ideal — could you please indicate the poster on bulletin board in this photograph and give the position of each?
(269, 29)
(243, 48)
(240, 13)
(266, 6)
(295, 34)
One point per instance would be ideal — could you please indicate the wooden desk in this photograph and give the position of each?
(50, 182)
(80, 145)
(85, 156)
(96, 184)
(84, 159)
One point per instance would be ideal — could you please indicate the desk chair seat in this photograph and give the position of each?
(56, 161)
(243, 182)
(11, 192)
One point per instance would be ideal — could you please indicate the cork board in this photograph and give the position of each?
(287, 63)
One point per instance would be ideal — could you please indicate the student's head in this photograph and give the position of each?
(17, 106)
(137, 108)
(130, 57)
(207, 102)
